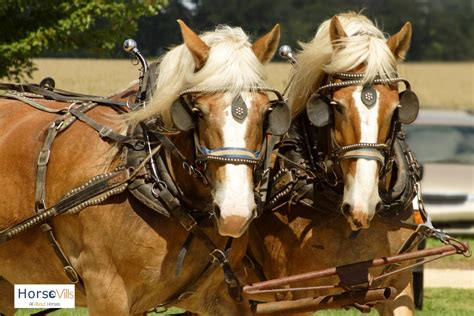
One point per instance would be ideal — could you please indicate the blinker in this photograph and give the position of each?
(181, 115)
(409, 107)
(318, 110)
(278, 120)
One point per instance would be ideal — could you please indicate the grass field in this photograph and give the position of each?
(437, 84)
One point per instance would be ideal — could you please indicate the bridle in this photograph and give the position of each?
(319, 110)
(185, 116)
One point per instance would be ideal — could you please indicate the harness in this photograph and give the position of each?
(306, 172)
(144, 173)
(131, 175)
(309, 156)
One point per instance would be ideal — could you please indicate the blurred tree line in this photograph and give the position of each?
(30, 28)
(443, 29)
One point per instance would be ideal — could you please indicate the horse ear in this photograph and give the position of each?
(199, 50)
(336, 32)
(265, 47)
(400, 42)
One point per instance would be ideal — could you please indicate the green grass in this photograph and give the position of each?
(437, 302)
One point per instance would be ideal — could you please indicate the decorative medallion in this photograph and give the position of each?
(239, 109)
(368, 95)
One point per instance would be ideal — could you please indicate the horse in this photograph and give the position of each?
(122, 247)
(341, 165)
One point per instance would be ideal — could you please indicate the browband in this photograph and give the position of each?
(223, 89)
(355, 79)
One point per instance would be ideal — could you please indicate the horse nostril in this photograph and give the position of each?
(346, 209)
(357, 224)
(217, 210)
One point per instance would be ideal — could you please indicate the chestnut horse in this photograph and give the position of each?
(346, 79)
(124, 252)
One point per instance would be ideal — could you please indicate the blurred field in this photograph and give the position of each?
(437, 84)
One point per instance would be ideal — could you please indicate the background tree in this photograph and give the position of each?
(31, 27)
(443, 30)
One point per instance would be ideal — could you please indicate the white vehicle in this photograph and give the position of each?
(443, 142)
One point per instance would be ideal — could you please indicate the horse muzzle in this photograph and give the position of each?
(233, 222)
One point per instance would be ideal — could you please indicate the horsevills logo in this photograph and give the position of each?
(44, 296)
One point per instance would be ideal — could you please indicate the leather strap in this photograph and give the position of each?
(71, 273)
(98, 185)
(365, 153)
(170, 147)
(60, 95)
(217, 256)
(55, 127)
(34, 104)
(103, 130)
(42, 165)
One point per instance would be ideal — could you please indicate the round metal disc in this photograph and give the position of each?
(368, 96)
(239, 109)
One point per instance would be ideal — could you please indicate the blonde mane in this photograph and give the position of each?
(365, 45)
(231, 64)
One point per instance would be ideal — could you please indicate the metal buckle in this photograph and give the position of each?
(157, 187)
(193, 223)
(219, 256)
(188, 168)
(59, 124)
(105, 131)
(43, 157)
(71, 274)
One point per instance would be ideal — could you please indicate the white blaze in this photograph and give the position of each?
(361, 191)
(234, 195)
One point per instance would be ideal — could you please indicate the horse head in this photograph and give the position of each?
(357, 100)
(214, 94)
